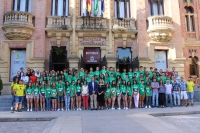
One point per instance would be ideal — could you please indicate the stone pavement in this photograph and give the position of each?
(108, 121)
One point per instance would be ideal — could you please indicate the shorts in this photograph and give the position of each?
(43, 94)
(54, 98)
(130, 95)
(141, 98)
(18, 99)
(29, 96)
(60, 98)
(123, 94)
(36, 96)
(119, 96)
(78, 93)
(184, 95)
(190, 95)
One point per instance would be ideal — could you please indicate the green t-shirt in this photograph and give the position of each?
(117, 74)
(123, 88)
(28, 91)
(97, 73)
(60, 88)
(75, 78)
(72, 90)
(54, 93)
(135, 87)
(67, 90)
(111, 79)
(91, 74)
(107, 93)
(69, 79)
(42, 90)
(65, 75)
(142, 89)
(103, 72)
(48, 92)
(164, 78)
(36, 90)
(129, 90)
(88, 79)
(130, 74)
(118, 91)
(148, 91)
(113, 91)
(80, 74)
(78, 88)
(123, 75)
(151, 74)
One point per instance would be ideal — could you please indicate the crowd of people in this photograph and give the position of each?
(103, 89)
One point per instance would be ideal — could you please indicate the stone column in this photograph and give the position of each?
(73, 58)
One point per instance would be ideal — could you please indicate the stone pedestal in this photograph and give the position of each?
(73, 62)
(111, 61)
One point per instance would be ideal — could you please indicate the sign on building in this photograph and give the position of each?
(92, 55)
(160, 60)
(17, 60)
(92, 41)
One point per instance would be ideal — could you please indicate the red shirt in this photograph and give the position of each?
(33, 78)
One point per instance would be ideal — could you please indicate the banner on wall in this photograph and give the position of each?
(91, 55)
(160, 60)
(17, 60)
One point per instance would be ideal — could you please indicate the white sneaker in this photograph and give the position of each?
(126, 108)
(28, 110)
(58, 110)
(11, 108)
(118, 108)
(68, 110)
(62, 109)
(149, 106)
(107, 108)
(31, 110)
(145, 107)
(80, 109)
(77, 109)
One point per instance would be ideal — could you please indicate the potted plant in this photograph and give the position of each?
(1, 84)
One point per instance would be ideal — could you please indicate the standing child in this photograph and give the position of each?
(142, 94)
(148, 95)
(119, 92)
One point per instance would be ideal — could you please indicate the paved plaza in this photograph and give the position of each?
(155, 120)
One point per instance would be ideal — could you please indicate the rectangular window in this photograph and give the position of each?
(115, 6)
(187, 23)
(121, 11)
(83, 8)
(192, 23)
(155, 8)
(60, 8)
(23, 5)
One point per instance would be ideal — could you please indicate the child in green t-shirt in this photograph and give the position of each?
(148, 91)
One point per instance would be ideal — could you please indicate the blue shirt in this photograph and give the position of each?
(183, 86)
(175, 86)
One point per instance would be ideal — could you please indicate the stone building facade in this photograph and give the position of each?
(137, 28)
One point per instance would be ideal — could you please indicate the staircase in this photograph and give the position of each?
(5, 102)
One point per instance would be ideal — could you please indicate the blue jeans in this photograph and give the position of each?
(13, 100)
(18, 99)
(190, 95)
(176, 96)
(155, 97)
(48, 102)
(67, 101)
(170, 98)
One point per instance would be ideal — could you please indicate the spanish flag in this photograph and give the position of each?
(89, 6)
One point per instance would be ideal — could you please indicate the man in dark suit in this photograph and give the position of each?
(92, 86)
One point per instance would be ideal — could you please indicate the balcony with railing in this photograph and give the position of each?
(58, 23)
(123, 25)
(160, 28)
(92, 23)
(18, 25)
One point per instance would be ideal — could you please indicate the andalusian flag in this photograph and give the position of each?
(96, 7)
(89, 7)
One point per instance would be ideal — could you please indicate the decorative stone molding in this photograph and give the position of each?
(58, 27)
(160, 28)
(18, 25)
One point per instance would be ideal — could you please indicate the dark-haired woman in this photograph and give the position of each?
(67, 96)
(161, 94)
(100, 96)
(85, 95)
(29, 97)
(124, 94)
(135, 93)
(48, 95)
(130, 94)
(54, 97)
(72, 94)
(107, 96)
(78, 94)
(113, 94)
(42, 96)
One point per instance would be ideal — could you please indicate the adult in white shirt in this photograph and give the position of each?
(25, 78)
(168, 93)
(85, 95)
(37, 74)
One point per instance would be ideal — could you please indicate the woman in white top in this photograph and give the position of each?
(85, 95)
(25, 78)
